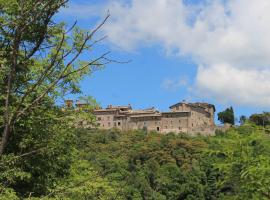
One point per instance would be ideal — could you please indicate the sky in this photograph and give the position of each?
(215, 51)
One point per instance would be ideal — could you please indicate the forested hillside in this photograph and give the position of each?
(94, 164)
(140, 165)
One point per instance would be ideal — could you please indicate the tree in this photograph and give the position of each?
(40, 60)
(242, 119)
(240, 157)
(226, 116)
(260, 119)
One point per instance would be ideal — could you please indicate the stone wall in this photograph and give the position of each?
(197, 118)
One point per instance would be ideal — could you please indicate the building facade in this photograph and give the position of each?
(192, 118)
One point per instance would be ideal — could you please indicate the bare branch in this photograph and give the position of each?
(72, 27)
(61, 76)
(42, 77)
(87, 65)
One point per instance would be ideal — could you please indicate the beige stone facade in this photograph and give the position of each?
(192, 118)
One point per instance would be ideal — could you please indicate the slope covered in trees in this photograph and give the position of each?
(140, 165)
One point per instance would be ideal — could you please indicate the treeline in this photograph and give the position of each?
(228, 116)
(95, 164)
(141, 165)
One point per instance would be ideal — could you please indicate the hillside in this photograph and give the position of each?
(233, 165)
(140, 165)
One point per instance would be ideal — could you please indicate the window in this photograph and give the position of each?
(99, 118)
(108, 118)
(114, 124)
(166, 127)
(179, 128)
(157, 128)
(119, 123)
(109, 124)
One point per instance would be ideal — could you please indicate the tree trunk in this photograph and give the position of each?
(6, 133)
(7, 122)
(5, 137)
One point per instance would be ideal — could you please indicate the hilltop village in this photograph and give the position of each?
(191, 118)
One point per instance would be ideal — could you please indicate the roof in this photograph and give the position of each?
(128, 107)
(178, 112)
(177, 104)
(197, 104)
(80, 103)
(205, 105)
(105, 110)
(145, 115)
(136, 112)
(122, 109)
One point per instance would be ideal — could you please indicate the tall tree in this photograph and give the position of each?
(242, 119)
(226, 116)
(40, 60)
(260, 119)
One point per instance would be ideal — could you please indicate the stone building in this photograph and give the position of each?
(192, 118)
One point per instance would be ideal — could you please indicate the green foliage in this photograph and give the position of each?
(242, 162)
(39, 155)
(8, 194)
(110, 164)
(242, 119)
(234, 165)
(226, 116)
(84, 183)
(147, 166)
(260, 119)
(40, 62)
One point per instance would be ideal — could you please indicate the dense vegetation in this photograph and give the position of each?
(232, 165)
(95, 164)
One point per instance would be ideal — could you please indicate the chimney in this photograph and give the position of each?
(69, 103)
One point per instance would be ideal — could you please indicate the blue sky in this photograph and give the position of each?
(172, 60)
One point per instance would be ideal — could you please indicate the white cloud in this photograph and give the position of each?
(241, 86)
(229, 41)
(173, 84)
